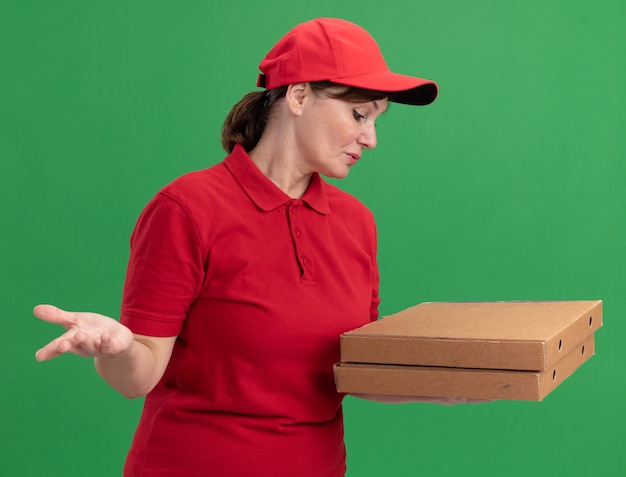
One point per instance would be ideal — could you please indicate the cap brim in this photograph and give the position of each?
(418, 96)
(401, 88)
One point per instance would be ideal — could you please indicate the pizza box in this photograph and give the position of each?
(522, 335)
(432, 381)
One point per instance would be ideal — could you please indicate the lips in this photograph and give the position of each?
(353, 157)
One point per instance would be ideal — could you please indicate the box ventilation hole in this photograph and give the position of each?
(582, 351)
(560, 344)
(553, 375)
(590, 320)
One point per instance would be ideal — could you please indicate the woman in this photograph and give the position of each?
(242, 276)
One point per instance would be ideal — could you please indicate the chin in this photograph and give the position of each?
(337, 174)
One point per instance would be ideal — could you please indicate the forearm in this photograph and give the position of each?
(393, 399)
(135, 372)
(131, 363)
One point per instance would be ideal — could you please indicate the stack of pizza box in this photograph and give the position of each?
(487, 350)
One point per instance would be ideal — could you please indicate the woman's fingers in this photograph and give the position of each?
(108, 346)
(55, 315)
(72, 342)
(62, 344)
(87, 334)
(53, 349)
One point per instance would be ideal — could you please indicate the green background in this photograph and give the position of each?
(511, 186)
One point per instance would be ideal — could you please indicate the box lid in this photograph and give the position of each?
(524, 335)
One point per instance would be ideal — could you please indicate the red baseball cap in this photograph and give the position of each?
(330, 49)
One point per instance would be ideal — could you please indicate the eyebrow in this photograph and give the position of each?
(377, 106)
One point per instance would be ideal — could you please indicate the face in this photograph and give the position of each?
(331, 134)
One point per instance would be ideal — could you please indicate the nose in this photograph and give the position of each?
(367, 138)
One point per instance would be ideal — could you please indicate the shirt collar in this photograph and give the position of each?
(264, 192)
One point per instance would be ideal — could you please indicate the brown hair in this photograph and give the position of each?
(247, 120)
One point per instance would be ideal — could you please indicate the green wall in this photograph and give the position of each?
(509, 187)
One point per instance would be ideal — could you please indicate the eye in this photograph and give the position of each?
(358, 116)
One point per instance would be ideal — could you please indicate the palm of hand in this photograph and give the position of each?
(87, 334)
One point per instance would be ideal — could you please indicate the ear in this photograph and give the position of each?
(295, 97)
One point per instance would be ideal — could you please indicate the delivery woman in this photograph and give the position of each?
(242, 276)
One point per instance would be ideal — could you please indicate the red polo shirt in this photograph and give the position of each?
(257, 287)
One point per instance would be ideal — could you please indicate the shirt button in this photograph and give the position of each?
(296, 233)
(304, 260)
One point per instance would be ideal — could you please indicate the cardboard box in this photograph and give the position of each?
(529, 336)
(460, 382)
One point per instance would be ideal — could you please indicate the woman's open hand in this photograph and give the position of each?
(87, 334)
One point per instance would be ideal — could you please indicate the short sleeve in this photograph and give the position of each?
(165, 269)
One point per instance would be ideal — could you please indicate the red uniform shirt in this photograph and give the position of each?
(257, 287)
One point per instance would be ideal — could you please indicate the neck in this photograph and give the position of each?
(273, 158)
